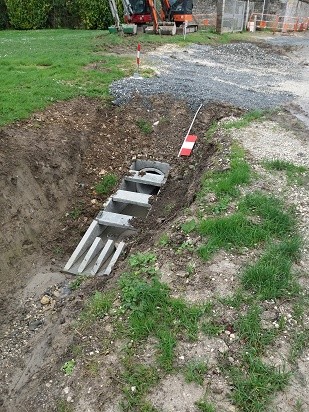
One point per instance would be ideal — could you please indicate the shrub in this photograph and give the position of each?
(28, 14)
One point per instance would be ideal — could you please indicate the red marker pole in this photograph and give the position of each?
(138, 56)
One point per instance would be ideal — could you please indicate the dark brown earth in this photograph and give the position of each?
(49, 166)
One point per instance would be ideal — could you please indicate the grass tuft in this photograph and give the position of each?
(259, 218)
(138, 378)
(245, 120)
(256, 385)
(204, 406)
(97, 307)
(294, 173)
(144, 126)
(195, 372)
(106, 185)
(249, 329)
(152, 311)
(226, 183)
(271, 276)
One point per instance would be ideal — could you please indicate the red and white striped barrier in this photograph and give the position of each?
(187, 146)
(138, 55)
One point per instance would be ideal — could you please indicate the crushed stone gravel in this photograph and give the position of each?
(241, 74)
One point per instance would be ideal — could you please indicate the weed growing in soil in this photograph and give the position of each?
(271, 276)
(204, 406)
(226, 183)
(249, 329)
(294, 173)
(300, 343)
(97, 307)
(255, 383)
(153, 312)
(164, 240)
(144, 126)
(76, 283)
(75, 213)
(211, 131)
(259, 218)
(138, 379)
(195, 371)
(211, 328)
(106, 185)
(64, 406)
(68, 367)
(245, 120)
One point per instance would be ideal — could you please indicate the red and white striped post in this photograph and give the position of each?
(190, 139)
(138, 56)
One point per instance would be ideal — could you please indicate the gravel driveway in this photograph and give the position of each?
(246, 75)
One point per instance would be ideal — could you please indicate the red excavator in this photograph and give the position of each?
(179, 11)
(144, 12)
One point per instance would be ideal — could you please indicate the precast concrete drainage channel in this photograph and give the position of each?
(104, 241)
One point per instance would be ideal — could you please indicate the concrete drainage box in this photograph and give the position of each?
(103, 242)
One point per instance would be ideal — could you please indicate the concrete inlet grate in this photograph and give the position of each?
(103, 242)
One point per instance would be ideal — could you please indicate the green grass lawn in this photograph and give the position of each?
(38, 68)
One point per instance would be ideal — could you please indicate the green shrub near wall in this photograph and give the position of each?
(28, 14)
(37, 14)
(95, 14)
(64, 13)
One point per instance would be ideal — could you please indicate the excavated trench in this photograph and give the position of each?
(50, 165)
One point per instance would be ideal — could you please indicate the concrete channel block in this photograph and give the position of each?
(96, 253)
(94, 249)
(114, 219)
(109, 268)
(108, 249)
(92, 232)
(145, 178)
(133, 198)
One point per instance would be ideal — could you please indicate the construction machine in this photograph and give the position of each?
(118, 26)
(180, 12)
(137, 11)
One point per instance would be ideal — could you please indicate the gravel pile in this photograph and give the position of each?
(242, 74)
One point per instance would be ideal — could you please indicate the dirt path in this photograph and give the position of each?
(49, 166)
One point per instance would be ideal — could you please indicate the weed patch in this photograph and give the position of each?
(225, 184)
(204, 406)
(300, 343)
(248, 328)
(271, 276)
(68, 367)
(106, 185)
(294, 173)
(144, 126)
(151, 311)
(76, 283)
(259, 218)
(255, 384)
(195, 371)
(97, 307)
(245, 120)
(212, 328)
(138, 379)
